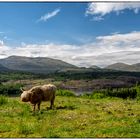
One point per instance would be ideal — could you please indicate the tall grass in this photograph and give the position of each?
(94, 95)
(3, 100)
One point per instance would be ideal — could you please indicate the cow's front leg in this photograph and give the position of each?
(39, 105)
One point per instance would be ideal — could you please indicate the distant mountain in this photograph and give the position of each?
(35, 65)
(94, 67)
(124, 67)
(2, 68)
(136, 65)
(118, 66)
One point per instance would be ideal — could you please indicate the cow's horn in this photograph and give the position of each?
(22, 89)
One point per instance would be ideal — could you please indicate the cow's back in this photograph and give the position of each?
(49, 91)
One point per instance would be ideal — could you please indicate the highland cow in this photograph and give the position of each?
(38, 94)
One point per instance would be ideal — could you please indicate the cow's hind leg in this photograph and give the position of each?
(34, 105)
(52, 102)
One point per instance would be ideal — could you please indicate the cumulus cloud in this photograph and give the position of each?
(104, 50)
(49, 15)
(98, 10)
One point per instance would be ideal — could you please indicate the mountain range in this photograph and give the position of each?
(35, 65)
(48, 65)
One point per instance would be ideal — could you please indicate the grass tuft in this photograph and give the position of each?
(50, 133)
(4, 128)
(25, 129)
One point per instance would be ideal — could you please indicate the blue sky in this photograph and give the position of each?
(19, 20)
(83, 34)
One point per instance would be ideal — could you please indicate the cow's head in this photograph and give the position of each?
(25, 96)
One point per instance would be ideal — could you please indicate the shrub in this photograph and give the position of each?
(118, 92)
(10, 89)
(64, 93)
(138, 91)
(122, 93)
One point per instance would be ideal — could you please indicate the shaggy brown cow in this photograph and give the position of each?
(39, 93)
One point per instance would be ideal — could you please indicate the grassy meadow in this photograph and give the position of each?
(72, 117)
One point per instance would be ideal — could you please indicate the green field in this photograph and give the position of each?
(72, 117)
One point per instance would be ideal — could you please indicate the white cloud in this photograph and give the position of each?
(1, 43)
(98, 18)
(133, 36)
(100, 9)
(104, 50)
(49, 15)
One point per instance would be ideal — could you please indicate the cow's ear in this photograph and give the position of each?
(22, 89)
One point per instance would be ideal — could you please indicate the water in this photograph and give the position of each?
(81, 92)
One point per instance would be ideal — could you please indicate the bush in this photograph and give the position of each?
(10, 89)
(119, 92)
(122, 93)
(64, 93)
(138, 91)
